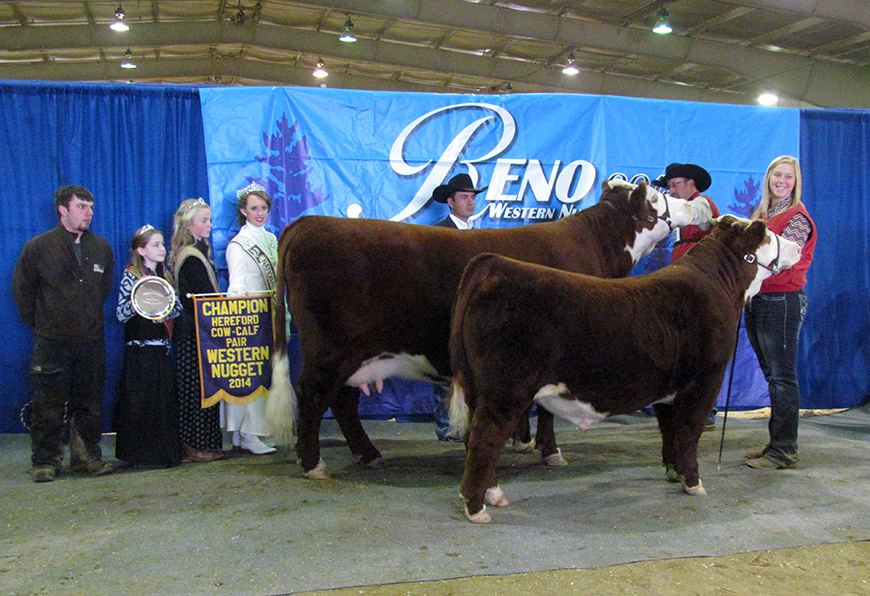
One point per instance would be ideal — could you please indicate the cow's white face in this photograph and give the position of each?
(671, 212)
(775, 250)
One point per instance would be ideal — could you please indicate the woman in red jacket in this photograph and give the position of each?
(774, 316)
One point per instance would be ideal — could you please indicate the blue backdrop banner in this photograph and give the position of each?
(380, 155)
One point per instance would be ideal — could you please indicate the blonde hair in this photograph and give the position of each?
(182, 237)
(137, 262)
(763, 210)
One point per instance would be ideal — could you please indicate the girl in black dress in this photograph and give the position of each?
(146, 413)
(193, 272)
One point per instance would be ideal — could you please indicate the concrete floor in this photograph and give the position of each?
(254, 525)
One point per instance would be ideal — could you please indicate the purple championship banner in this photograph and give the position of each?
(234, 343)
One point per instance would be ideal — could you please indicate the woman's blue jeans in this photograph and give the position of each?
(773, 325)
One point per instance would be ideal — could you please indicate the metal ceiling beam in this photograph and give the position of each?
(832, 84)
(260, 72)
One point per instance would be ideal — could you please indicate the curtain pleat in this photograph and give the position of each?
(138, 148)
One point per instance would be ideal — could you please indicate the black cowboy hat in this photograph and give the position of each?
(685, 170)
(460, 182)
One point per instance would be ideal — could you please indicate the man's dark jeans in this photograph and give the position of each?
(71, 376)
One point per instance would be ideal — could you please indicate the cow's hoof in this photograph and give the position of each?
(695, 491)
(556, 459)
(495, 497)
(318, 472)
(671, 473)
(521, 447)
(481, 517)
(377, 462)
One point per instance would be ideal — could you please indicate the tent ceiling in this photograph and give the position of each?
(814, 53)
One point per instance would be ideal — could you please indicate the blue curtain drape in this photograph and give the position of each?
(138, 148)
(834, 363)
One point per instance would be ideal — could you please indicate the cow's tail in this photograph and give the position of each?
(281, 404)
(462, 389)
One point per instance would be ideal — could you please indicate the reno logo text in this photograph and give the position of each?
(518, 188)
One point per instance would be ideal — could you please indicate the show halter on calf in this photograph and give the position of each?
(584, 348)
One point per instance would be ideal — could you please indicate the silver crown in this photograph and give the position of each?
(249, 189)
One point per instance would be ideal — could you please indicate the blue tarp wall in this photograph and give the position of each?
(142, 149)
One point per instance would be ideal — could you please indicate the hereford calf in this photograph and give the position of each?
(583, 347)
(372, 298)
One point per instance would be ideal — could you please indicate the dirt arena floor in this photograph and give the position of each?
(608, 523)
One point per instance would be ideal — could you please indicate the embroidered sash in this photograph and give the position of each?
(267, 268)
(192, 251)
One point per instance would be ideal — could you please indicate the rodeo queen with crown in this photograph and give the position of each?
(252, 260)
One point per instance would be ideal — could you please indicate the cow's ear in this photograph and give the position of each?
(723, 227)
(756, 232)
(637, 202)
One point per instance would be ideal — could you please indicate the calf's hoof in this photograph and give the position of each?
(318, 472)
(521, 447)
(481, 517)
(495, 497)
(695, 491)
(671, 473)
(377, 462)
(556, 459)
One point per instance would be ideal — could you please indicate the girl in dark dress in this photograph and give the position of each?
(146, 413)
(193, 272)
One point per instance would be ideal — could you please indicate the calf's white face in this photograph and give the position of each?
(775, 250)
(678, 211)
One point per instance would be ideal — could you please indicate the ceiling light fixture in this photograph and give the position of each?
(119, 24)
(768, 98)
(348, 37)
(663, 27)
(320, 72)
(570, 68)
(128, 60)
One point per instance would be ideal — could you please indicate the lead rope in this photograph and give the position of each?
(728, 393)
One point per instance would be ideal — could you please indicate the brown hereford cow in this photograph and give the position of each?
(584, 347)
(372, 298)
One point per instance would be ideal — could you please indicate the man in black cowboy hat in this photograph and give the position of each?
(687, 181)
(459, 194)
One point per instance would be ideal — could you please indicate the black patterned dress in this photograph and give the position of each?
(146, 411)
(198, 427)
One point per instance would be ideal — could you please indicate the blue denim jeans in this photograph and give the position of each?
(773, 325)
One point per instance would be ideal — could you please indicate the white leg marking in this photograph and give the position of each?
(521, 447)
(481, 517)
(556, 459)
(318, 472)
(695, 491)
(495, 497)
